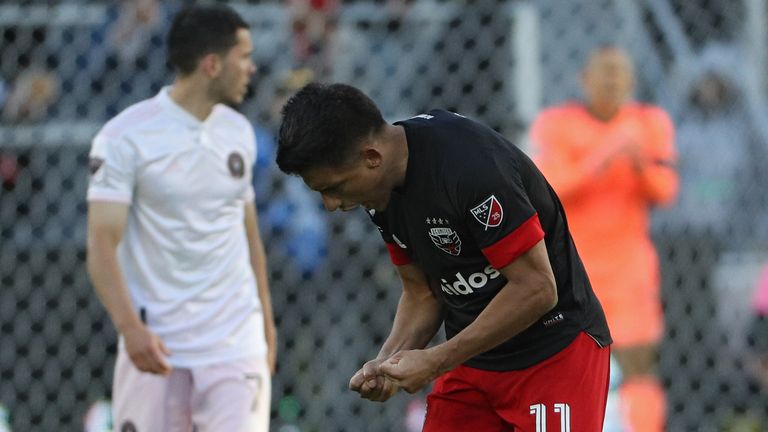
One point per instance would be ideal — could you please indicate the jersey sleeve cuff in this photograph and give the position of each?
(516, 243)
(249, 195)
(397, 254)
(109, 196)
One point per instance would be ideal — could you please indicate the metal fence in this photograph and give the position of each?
(334, 291)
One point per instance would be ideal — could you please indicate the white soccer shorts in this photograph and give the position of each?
(233, 396)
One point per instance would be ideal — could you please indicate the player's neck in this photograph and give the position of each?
(187, 94)
(604, 113)
(399, 144)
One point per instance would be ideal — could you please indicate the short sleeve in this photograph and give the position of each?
(112, 165)
(498, 211)
(249, 193)
(397, 253)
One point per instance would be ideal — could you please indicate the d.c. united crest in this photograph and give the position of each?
(446, 239)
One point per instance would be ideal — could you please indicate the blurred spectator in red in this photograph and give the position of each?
(313, 23)
(758, 331)
(9, 170)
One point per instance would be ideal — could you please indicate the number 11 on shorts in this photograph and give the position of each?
(540, 411)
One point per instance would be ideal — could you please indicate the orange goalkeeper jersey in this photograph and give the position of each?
(607, 197)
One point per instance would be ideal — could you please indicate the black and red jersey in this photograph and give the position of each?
(471, 203)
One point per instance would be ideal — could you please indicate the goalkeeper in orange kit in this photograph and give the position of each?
(611, 160)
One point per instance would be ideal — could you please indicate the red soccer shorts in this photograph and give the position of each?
(564, 393)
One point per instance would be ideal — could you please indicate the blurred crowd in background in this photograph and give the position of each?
(69, 66)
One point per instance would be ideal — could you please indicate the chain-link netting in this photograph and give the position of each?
(69, 66)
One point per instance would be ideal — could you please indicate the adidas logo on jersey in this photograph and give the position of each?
(467, 285)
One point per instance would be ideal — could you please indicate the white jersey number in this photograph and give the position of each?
(540, 411)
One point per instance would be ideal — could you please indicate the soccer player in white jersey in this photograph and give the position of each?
(174, 252)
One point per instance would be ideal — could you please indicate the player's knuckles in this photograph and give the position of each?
(139, 361)
(153, 364)
(371, 391)
(357, 377)
(356, 385)
(364, 391)
(386, 393)
(391, 372)
(369, 371)
(145, 365)
(157, 356)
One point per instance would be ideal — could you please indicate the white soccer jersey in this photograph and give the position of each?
(184, 253)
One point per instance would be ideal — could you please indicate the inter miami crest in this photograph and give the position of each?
(128, 426)
(446, 239)
(236, 165)
(489, 212)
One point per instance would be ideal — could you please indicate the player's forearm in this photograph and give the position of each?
(259, 265)
(512, 310)
(258, 259)
(108, 282)
(418, 318)
(266, 304)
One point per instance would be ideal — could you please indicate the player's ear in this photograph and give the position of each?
(211, 65)
(372, 157)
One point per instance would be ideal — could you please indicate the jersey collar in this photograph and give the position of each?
(410, 165)
(183, 115)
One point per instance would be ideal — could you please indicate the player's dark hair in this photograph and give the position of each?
(197, 31)
(324, 125)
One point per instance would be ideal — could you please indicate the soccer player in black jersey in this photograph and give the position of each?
(481, 244)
